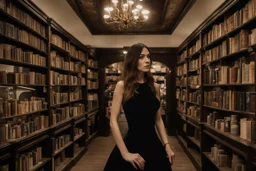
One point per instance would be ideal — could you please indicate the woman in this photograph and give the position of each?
(141, 148)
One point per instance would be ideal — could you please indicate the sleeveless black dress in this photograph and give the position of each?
(140, 112)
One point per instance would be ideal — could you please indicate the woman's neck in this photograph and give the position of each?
(141, 77)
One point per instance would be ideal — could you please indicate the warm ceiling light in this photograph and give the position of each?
(106, 16)
(126, 14)
(145, 12)
(124, 52)
(139, 7)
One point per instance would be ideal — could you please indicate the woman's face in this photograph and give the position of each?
(144, 61)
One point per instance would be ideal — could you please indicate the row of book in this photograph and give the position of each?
(57, 78)
(181, 94)
(19, 128)
(230, 22)
(182, 56)
(194, 80)
(14, 53)
(112, 78)
(24, 36)
(61, 140)
(29, 78)
(27, 19)
(114, 68)
(197, 134)
(245, 129)
(230, 99)
(241, 70)
(78, 131)
(59, 159)
(76, 94)
(216, 52)
(182, 69)
(194, 111)
(195, 48)
(60, 42)
(29, 160)
(77, 53)
(181, 106)
(93, 101)
(14, 107)
(92, 84)
(195, 96)
(58, 98)
(92, 63)
(92, 75)
(222, 158)
(194, 64)
(182, 81)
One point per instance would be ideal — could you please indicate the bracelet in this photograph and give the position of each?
(166, 144)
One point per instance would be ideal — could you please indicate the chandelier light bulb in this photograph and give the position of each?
(135, 11)
(139, 7)
(106, 16)
(114, 1)
(108, 9)
(130, 2)
(145, 12)
(125, 5)
(136, 17)
(146, 17)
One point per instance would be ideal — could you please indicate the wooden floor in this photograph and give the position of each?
(100, 148)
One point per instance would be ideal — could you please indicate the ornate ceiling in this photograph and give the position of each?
(164, 16)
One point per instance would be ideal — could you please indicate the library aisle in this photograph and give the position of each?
(98, 151)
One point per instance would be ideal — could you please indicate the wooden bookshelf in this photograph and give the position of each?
(212, 58)
(74, 53)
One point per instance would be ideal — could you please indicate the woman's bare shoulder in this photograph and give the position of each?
(120, 85)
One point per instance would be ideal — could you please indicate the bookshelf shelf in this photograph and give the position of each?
(65, 165)
(231, 137)
(40, 164)
(74, 101)
(29, 137)
(239, 53)
(17, 22)
(182, 62)
(59, 69)
(225, 143)
(193, 103)
(60, 50)
(196, 156)
(195, 141)
(226, 85)
(194, 55)
(93, 79)
(92, 68)
(62, 148)
(215, 42)
(25, 114)
(13, 62)
(57, 105)
(207, 155)
(183, 142)
(226, 110)
(58, 124)
(76, 59)
(78, 136)
(78, 154)
(193, 121)
(90, 138)
(24, 45)
(159, 73)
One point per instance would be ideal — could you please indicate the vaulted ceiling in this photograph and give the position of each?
(164, 16)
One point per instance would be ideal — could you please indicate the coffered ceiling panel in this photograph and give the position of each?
(164, 16)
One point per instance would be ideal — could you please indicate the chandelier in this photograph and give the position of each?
(125, 14)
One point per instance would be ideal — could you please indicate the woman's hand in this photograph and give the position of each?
(135, 159)
(170, 154)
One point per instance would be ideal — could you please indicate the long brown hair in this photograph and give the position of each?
(130, 72)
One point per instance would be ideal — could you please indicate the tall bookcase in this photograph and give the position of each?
(216, 103)
(45, 109)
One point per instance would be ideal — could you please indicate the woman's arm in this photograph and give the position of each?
(115, 110)
(161, 129)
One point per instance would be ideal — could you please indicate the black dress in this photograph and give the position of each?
(141, 138)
